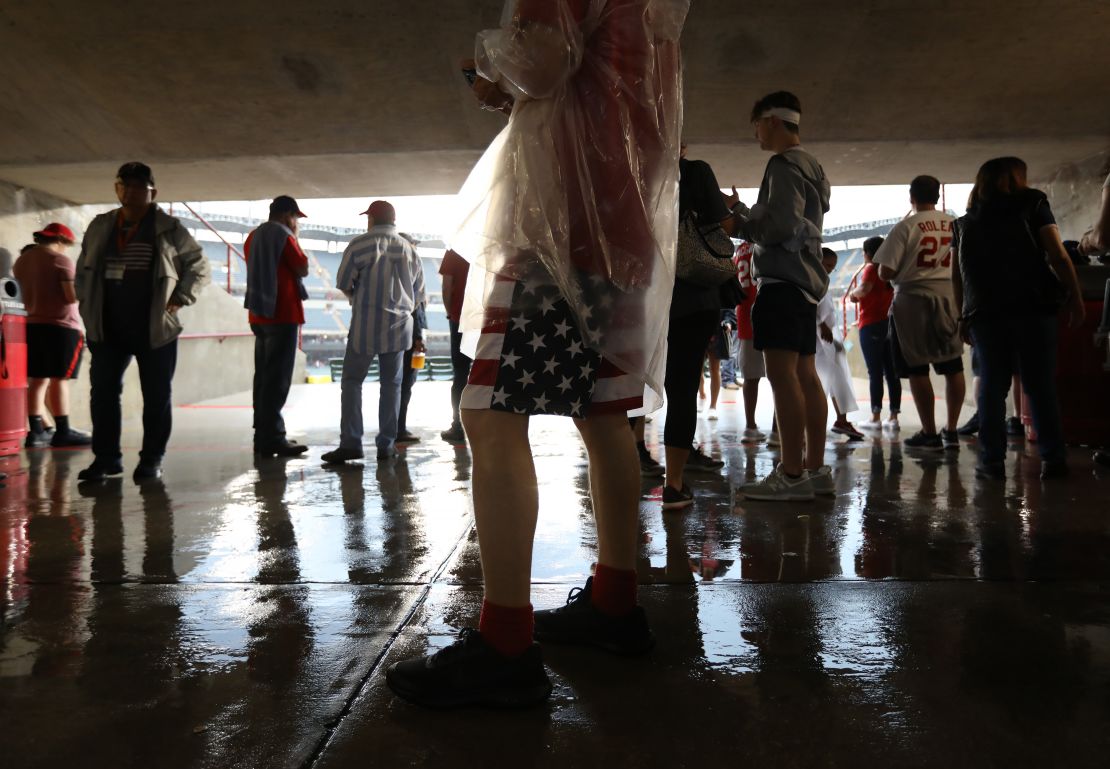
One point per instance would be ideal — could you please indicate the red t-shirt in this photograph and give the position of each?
(288, 308)
(458, 268)
(875, 306)
(41, 272)
(743, 261)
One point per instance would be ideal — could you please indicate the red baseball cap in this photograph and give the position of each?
(381, 211)
(57, 230)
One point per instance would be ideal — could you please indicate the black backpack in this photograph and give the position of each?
(1002, 263)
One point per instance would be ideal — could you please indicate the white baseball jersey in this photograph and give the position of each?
(918, 249)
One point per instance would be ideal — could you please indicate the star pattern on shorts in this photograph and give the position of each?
(546, 368)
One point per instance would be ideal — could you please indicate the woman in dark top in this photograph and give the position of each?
(1009, 295)
(695, 317)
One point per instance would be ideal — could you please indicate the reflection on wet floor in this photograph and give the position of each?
(240, 611)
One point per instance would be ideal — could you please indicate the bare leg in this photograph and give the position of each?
(955, 387)
(714, 380)
(506, 502)
(614, 488)
(701, 380)
(675, 459)
(816, 412)
(922, 388)
(638, 429)
(36, 397)
(751, 397)
(790, 406)
(1017, 393)
(59, 397)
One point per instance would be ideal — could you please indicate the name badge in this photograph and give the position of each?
(114, 272)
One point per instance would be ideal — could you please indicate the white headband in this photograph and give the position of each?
(783, 114)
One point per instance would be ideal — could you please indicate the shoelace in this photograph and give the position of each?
(574, 594)
(467, 636)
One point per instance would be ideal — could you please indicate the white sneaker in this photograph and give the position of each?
(871, 425)
(892, 425)
(822, 481)
(711, 415)
(777, 487)
(752, 436)
(773, 440)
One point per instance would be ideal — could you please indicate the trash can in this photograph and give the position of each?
(13, 368)
(1082, 379)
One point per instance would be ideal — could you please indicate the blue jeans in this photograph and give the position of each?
(355, 367)
(408, 379)
(728, 365)
(1030, 344)
(880, 365)
(460, 369)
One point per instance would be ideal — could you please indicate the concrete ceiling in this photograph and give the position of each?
(247, 99)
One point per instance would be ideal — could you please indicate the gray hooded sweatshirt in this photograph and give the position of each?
(785, 223)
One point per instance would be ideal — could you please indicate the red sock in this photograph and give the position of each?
(614, 590)
(508, 629)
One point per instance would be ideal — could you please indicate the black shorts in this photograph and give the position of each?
(53, 352)
(904, 370)
(783, 319)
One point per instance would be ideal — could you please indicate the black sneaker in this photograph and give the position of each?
(950, 439)
(340, 455)
(674, 499)
(147, 471)
(37, 439)
(990, 471)
(1014, 427)
(282, 449)
(470, 672)
(70, 439)
(98, 471)
(1054, 469)
(580, 622)
(699, 461)
(649, 468)
(970, 427)
(404, 436)
(454, 435)
(924, 442)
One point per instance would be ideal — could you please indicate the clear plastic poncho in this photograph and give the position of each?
(580, 189)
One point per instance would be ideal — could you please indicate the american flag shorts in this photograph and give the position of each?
(531, 358)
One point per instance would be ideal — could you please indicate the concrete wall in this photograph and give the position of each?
(215, 353)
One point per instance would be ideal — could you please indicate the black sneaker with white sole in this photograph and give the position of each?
(649, 468)
(950, 439)
(922, 441)
(677, 499)
(469, 673)
(581, 623)
(697, 460)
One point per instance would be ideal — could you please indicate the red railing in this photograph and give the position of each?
(230, 248)
(845, 301)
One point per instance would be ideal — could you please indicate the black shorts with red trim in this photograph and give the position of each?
(531, 359)
(53, 352)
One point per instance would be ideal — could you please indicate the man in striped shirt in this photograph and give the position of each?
(382, 277)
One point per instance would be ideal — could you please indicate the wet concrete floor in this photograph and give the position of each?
(242, 613)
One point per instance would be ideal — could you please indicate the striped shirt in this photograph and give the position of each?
(382, 276)
(129, 282)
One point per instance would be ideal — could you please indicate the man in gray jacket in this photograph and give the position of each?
(785, 226)
(138, 266)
